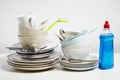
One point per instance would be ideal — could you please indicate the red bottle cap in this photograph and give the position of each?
(106, 25)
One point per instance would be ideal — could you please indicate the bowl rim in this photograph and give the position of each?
(73, 41)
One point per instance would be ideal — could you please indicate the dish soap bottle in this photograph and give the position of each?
(106, 52)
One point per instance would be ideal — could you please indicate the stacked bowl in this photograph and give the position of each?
(76, 50)
(29, 37)
(77, 47)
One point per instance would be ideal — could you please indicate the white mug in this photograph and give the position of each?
(27, 20)
(28, 35)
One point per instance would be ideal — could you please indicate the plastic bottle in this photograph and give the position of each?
(106, 52)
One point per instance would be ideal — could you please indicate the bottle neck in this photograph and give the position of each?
(106, 31)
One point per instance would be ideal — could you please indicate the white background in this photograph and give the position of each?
(83, 13)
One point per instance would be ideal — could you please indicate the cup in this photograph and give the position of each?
(29, 33)
(27, 20)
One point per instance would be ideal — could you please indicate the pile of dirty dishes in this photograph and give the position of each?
(32, 61)
(76, 50)
(33, 52)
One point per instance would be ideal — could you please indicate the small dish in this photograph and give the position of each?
(36, 56)
(82, 65)
(26, 52)
(80, 69)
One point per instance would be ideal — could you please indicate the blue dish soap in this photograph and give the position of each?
(106, 52)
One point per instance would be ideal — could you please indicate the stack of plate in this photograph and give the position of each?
(19, 62)
(30, 61)
(88, 63)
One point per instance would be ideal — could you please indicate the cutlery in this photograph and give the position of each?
(59, 37)
(20, 48)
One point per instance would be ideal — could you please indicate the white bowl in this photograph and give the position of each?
(76, 40)
(82, 45)
(30, 32)
(75, 53)
(32, 41)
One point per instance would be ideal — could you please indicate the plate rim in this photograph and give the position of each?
(56, 56)
(31, 66)
(80, 69)
(34, 69)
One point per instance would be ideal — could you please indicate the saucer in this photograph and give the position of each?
(82, 65)
(36, 56)
(26, 52)
(80, 69)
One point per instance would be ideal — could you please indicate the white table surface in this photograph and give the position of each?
(58, 73)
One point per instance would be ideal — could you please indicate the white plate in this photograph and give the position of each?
(31, 66)
(36, 56)
(34, 69)
(17, 58)
(80, 69)
(79, 65)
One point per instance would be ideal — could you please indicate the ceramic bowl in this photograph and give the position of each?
(32, 41)
(75, 53)
(75, 40)
(30, 32)
(82, 45)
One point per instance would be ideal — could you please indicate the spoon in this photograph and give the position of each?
(80, 34)
(59, 37)
(86, 31)
(14, 48)
(20, 48)
(42, 27)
